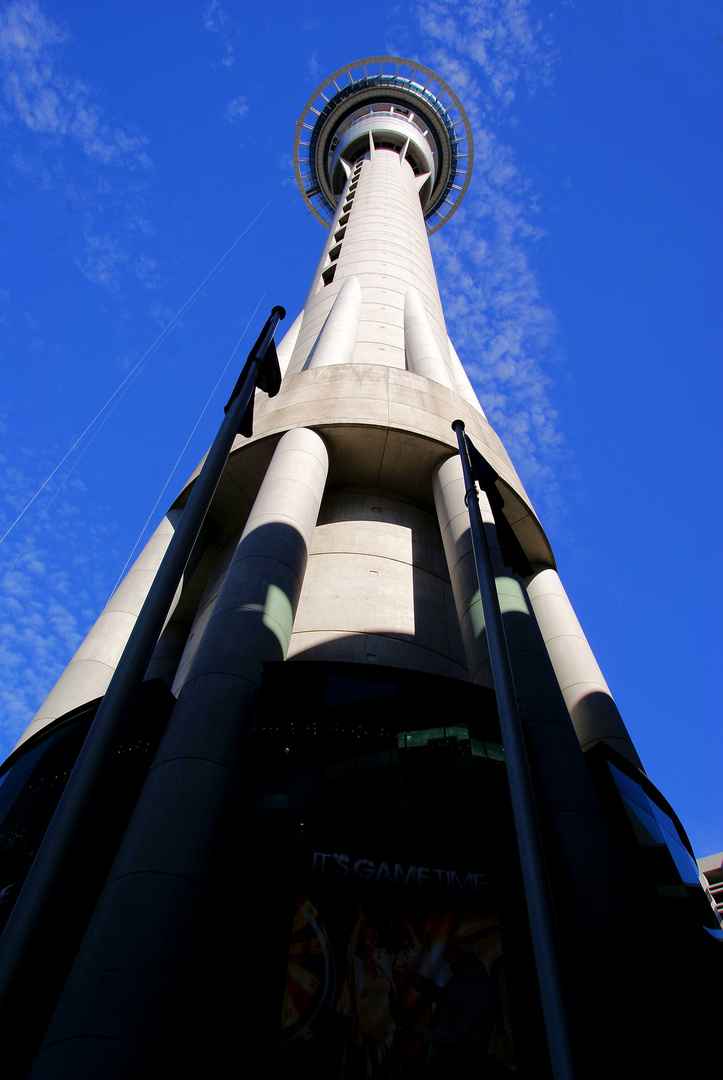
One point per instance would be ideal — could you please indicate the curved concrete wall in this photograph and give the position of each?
(377, 589)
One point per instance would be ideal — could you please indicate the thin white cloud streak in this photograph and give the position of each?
(497, 318)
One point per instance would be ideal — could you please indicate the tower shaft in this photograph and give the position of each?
(382, 241)
(329, 628)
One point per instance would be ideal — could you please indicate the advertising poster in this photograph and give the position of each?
(395, 971)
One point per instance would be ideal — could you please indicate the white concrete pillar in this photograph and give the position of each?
(534, 677)
(453, 516)
(252, 618)
(337, 340)
(89, 672)
(594, 714)
(286, 346)
(461, 380)
(582, 860)
(131, 967)
(422, 351)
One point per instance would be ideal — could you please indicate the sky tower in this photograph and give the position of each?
(332, 750)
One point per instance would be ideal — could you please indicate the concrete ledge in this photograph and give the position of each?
(384, 427)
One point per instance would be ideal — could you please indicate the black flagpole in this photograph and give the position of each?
(36, 897)
(527, 827)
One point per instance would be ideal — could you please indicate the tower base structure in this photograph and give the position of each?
(319, 804)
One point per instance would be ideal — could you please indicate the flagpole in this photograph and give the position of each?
(540, 911)
(36, 897)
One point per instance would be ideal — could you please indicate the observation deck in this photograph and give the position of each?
(399, 105)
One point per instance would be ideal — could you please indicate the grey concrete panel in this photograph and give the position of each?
(366, 510)
(370, 352)
(363, 593)
(383, 299)
(380, 332)
(332, 647)
(257, 600)
(376, 569)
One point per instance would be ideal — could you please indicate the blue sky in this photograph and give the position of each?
(147, 152)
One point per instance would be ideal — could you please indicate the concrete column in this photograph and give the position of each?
(594, 714)
(422, 351)
(204, 611)
(125, 993)
(91, 669)
(336, 342)
(453, 517)
(586, 878)
(533, 673)
(537, 687)
(461, 380)
(286, 346)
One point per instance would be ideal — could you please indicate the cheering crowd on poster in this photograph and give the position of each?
(397, 991)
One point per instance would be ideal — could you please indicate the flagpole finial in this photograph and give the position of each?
(457, 424)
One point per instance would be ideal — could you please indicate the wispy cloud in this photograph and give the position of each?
(214, 17)
(215, 20)
(503, 39)
(497, 317)
(60, 140)
(235, 109)
(146, 270)
(44, 614)
(47, 100)
(104, 257)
